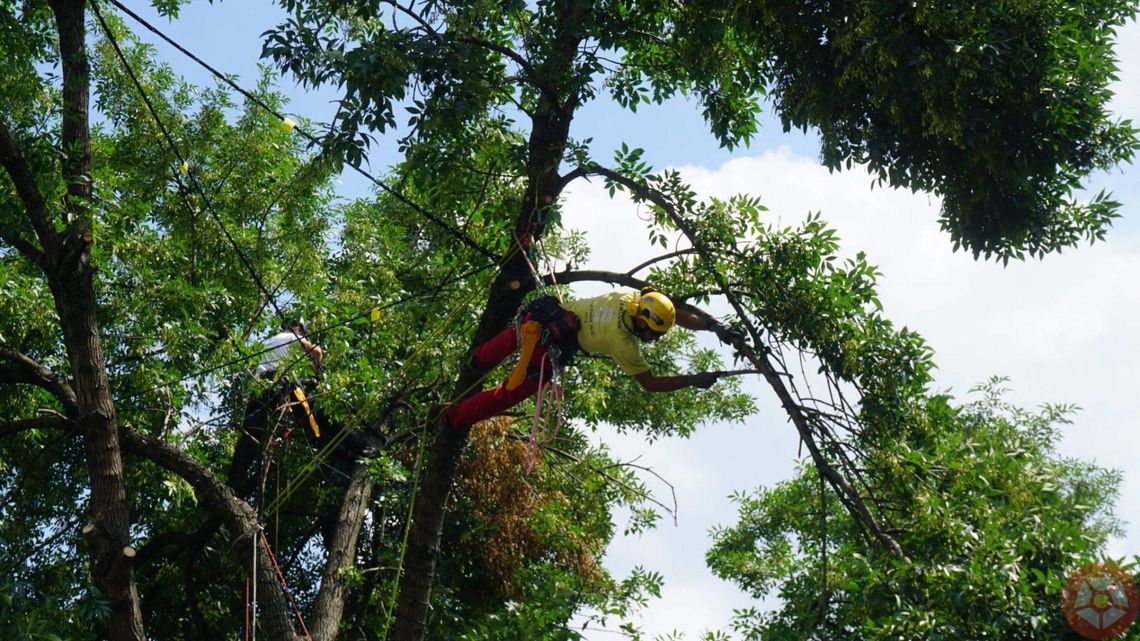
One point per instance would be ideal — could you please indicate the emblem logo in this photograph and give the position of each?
(1100, 601)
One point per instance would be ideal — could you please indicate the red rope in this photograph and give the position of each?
(285, 585)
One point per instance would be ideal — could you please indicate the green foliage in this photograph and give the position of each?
(1000, 107)
(992, 518)
(28, 616)
(180, 313)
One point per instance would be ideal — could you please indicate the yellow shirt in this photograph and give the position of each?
(604, 330)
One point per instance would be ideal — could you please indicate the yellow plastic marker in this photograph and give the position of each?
(375, 316)
(288, 124)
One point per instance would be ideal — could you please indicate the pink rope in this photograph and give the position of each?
(533, 449)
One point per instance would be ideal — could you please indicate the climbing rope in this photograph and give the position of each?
(539, 438)
(557, 390)
(407, 529)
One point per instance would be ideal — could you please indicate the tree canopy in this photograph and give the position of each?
(151, 232)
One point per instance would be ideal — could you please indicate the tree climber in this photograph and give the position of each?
(612, 324)
(282, 392)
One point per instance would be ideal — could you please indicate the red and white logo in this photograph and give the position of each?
(1100, 601)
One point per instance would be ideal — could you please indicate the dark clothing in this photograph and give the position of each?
(277, 413)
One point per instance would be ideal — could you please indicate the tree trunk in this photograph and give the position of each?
(329, 606)
(548, 137)
(70, 277)
(108, 539)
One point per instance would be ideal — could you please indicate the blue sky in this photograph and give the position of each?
(1063, 329)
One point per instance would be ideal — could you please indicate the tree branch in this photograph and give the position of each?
(673, 254)
(26, 371)
(529, 71)
(847, 494)
(580, 275)
(415, 16)
(238, 516)
(74, 131)
(571, 176)
(329, 606)
(16, 165)
(524, 64)
(20, 425)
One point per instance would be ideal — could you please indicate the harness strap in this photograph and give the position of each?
(529, 333)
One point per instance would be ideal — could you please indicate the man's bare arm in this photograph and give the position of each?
(314, 352)
(689, 320)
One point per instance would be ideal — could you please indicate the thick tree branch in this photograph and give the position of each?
(581, 275)
(571, 176)
(26, 371)
(795, 411)
(74, 132)
(16, 165)
(42, 422)
(238, 516)
(329, 606)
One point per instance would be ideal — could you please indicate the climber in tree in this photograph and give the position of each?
(284, 395)
(550, 333)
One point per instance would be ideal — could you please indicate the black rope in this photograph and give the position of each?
(456, 233)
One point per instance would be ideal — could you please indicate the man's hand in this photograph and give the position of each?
(726, 334)
(703, 380)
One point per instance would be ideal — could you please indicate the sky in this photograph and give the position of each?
(1062, 329)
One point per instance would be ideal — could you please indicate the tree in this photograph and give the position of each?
(956, 124)
(99, 232)
(992, 516)
(49, 221)
(177, 305)
(144, 271)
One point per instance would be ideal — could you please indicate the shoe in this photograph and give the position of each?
(370, 447)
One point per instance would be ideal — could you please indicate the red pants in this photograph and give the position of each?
(494, 402)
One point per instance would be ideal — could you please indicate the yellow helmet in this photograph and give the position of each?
(655, 309)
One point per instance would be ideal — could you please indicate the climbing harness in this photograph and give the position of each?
(543, 321)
